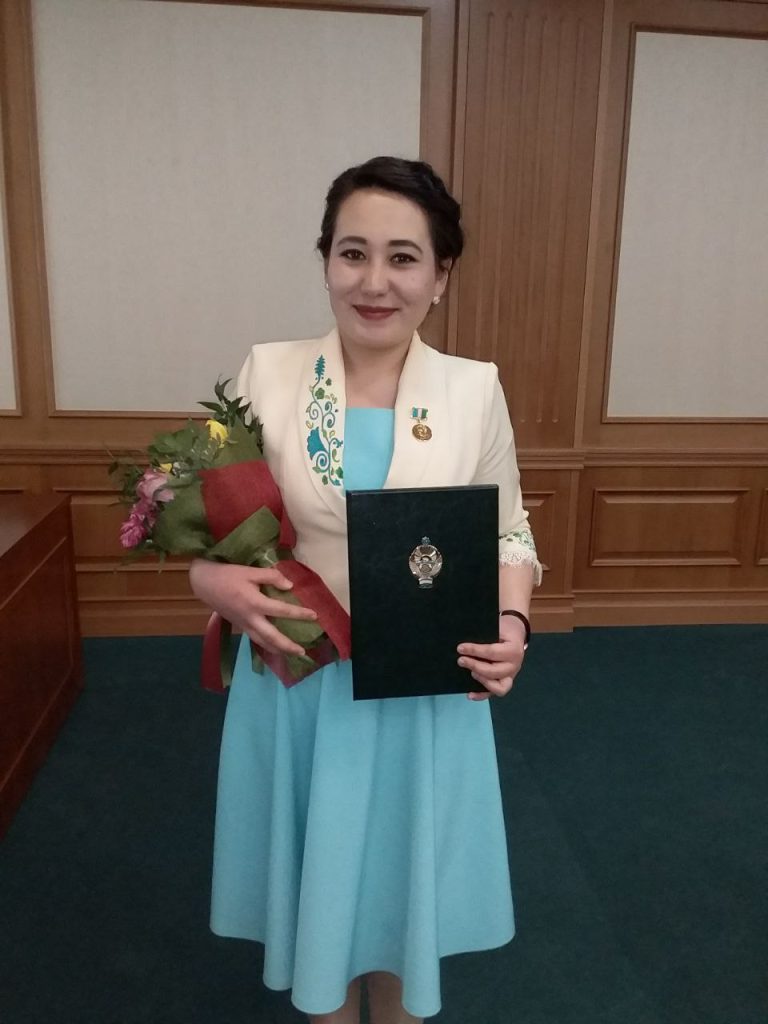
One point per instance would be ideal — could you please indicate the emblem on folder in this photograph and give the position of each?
(425, 562)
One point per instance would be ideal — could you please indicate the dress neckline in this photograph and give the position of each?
(369, 408)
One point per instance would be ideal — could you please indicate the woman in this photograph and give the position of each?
(366, 839)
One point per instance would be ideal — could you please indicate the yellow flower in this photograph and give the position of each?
(165, 467)
(217, 431)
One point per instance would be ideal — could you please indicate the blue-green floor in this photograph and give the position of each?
(635, 773)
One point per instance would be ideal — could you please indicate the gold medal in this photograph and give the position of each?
(420, 429)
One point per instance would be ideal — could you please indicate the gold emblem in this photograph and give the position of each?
(420, 429)
(425, 562)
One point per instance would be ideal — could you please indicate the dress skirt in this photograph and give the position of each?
(357, 836)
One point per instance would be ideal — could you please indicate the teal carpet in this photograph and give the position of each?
(635, 772)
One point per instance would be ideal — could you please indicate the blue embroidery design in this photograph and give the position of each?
(323, 446)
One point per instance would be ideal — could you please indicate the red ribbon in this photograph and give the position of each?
(216, 662)
(230, 495)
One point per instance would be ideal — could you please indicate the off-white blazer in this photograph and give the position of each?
(296, 388)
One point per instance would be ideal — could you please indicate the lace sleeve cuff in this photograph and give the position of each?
(518, 548)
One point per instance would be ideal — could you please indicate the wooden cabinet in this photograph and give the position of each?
(40, 659)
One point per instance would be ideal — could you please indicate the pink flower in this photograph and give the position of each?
(139, 523)
(145, 511)
(132, 532)
(152, 487)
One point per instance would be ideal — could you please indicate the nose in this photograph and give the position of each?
(374, 280)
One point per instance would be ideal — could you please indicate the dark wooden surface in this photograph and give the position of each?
(40, 661)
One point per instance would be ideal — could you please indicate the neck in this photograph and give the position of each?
(372, 375)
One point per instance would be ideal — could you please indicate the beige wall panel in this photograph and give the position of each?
(691, 309)
(185, 154)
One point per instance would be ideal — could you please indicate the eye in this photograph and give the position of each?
(352, 255)
(403, 258)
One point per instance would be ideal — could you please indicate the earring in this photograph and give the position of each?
(436, 300)
(326, 286)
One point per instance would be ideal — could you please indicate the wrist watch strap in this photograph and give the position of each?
(523, 619)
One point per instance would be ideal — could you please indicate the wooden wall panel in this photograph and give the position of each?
(635, 522)
(528, 149)
(670, 529)
(96, 519)
(17, 476)
(667, 526)
(761, 552)
(548, 496)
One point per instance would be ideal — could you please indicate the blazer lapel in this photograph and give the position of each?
(421, 388)
(322, 406)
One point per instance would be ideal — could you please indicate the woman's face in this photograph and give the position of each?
(381, 271)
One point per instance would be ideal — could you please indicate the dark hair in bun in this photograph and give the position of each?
(413, 179)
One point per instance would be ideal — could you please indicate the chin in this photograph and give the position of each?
(371, 336)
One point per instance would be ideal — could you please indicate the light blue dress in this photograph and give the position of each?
(357, 836)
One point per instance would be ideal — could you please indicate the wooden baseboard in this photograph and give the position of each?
(670, 609)
(552, 615)
(559, 614)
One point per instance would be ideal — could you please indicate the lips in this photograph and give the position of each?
(375, 312)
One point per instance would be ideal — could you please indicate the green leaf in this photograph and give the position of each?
(213, 406)
(250, 543)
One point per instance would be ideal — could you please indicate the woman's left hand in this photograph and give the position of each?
(495, 666)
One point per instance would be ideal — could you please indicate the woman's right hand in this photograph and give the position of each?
(234, 591)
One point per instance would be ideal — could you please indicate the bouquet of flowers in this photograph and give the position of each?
(209, 493)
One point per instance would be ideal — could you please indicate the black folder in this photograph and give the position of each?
(423, 577)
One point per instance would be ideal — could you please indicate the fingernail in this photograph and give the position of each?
(461, 649)
(463, 662)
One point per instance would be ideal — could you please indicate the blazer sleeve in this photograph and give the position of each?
(498, 465)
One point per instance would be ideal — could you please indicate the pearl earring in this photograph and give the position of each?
(326, 286)
(436, 300)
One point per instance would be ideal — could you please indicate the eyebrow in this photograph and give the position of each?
(399, 243)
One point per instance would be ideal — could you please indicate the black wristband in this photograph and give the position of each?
(523, 619)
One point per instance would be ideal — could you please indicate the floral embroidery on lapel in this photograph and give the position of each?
(323, 446)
